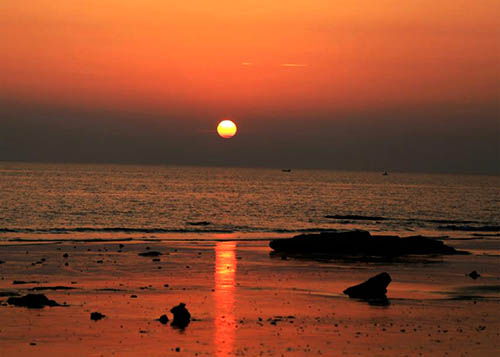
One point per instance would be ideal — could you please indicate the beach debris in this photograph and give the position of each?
(96, 316)
(182, 317)
(163, 319)
(359, 243)
(152, 253)
(474, 275)
(32, 301)
(373, 288)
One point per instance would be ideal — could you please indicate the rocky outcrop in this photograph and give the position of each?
(360, 243)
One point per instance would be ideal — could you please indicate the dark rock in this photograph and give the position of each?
(20, 282)
(32, 301)
(8, 293)
(200, 223)
(360, 243)
(150, 254)
(163, 319)
(373, 288)
(356, 217)
(182, 317)
(96, 316)
(58, 287)
(474, 275)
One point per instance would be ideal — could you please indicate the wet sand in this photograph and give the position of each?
(243, 303)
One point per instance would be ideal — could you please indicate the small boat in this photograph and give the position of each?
(385, 173)
(287, 170)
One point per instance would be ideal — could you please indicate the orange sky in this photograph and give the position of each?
(200, 60)
(229, 55)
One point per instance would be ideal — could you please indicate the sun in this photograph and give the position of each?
(227, 129)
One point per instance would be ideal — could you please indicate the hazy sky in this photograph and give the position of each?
(365, 85)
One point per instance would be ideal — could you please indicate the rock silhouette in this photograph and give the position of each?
(474, 275)
(373, 288)
(182, 317)
(360, 243)
(32, 301)
(96, 316)
(150, 254)
(163, 319)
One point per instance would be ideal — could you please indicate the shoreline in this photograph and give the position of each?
(243, 302)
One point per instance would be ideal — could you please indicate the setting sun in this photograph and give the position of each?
(226, 129)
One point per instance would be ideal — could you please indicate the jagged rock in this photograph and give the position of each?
(360, 243)
(163, 319)
(32, 301)
(474, 275)
(150, 254)
(95, 316)
(182, 317)
(373, 288)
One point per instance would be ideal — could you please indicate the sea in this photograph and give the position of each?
(57, 202)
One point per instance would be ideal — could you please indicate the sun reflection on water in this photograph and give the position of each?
(225, 271)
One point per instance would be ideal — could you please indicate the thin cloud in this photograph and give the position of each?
(293, 65)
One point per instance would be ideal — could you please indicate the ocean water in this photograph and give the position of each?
(69, 201)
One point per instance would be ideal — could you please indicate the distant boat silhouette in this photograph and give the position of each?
(385, 173)
(287, 170)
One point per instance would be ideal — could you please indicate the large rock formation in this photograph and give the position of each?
(360, 243)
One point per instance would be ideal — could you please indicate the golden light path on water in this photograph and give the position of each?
(225, 271)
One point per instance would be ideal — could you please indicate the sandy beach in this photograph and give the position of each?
(243, 302)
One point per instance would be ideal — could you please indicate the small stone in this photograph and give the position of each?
(150, 254)
(96, 316)
(163, 319)
(474, 275)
